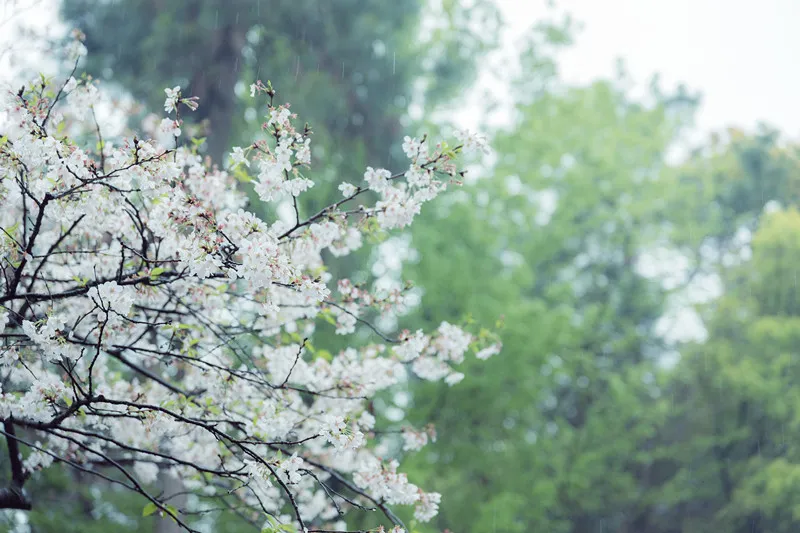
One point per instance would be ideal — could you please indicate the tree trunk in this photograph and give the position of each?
(214, 85)
(170, 485)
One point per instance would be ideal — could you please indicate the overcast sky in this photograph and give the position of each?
(741, 54)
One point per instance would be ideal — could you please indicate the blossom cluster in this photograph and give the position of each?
(149, 322)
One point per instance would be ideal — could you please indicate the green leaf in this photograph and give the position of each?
(276, 527)
(327, 316)
(173, 513)
(149, 509)
(241, 174)
(324, 354)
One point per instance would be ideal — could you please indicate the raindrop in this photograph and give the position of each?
(394, 62)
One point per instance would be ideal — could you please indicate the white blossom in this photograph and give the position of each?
(489, 351)
(146, 472)
(112, 296)
(289, 468)
(414, 440)
(237, 157)
(70, 85)
(171, 101)
(170, 127)
(347, 189)
(76, 50)
(428, 506)
(472, 141)
(377, 180)
(412, 346)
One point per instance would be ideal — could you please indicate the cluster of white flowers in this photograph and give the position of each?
(81, 98)
(111, 296)
(394, 487)
(171, 127)
(433, 357)
(428, 506)
(412, 346)
(147, 316)
(290, 469)
(348, 189)
(400, 202)
(336, 431)
(473, 141)
(48, 334)
(451, 343)
(489, 351)
(414, 440)
(238, 157)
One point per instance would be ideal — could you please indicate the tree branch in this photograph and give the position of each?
(14, 497)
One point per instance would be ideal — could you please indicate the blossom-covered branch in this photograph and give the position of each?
(150, 324)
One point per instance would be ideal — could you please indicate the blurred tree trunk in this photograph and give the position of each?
(170, 485)
(214, 84)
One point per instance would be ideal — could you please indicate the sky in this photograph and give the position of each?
(740, 54)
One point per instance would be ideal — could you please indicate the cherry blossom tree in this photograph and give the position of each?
(150, 324)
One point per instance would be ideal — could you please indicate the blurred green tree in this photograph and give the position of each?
(554, 435)
(352, 66)
(733, 401)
